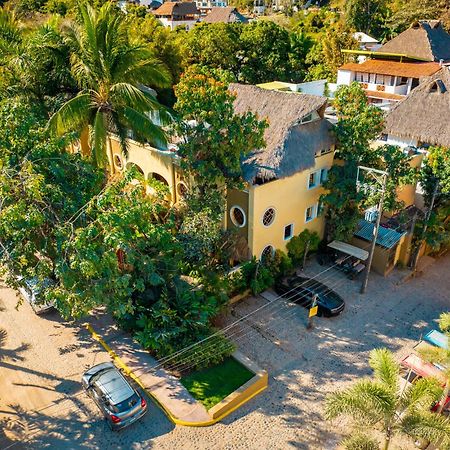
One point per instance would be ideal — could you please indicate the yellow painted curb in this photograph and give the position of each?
(172, 418)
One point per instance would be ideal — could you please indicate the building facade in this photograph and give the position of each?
(178, 14)
(390, 73)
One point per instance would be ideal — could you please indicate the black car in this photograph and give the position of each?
(301, 290)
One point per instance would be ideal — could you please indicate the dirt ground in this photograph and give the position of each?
(42, 359)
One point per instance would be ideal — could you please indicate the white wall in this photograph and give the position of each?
(345, 77)
(312, 87)
(172, 24)
(401, 142)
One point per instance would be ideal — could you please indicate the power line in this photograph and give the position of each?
(223, 330)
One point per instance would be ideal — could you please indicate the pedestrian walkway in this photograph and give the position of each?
(167, 390)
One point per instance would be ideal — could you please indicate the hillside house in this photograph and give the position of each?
(391, 72)
(228, 14)
(178, 14)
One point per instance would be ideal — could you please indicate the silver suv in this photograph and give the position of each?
(119, 402)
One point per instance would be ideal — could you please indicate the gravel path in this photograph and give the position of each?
(303, 367)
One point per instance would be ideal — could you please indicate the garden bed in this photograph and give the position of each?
(210, 386)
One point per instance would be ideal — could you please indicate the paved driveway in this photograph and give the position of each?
(42, 359)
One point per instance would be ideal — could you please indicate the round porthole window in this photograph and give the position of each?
(268, 217)
(267, 253)
(117, 161)
(182, 189)
(237, 216)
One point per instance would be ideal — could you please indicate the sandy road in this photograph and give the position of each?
(41, 360)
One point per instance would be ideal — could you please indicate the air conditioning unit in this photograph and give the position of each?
(371, 214)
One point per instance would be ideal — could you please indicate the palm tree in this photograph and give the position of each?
(441, 356)
(111, 74)
(33, 63)
(380, 401)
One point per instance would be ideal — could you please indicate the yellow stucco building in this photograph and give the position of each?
(283, 180)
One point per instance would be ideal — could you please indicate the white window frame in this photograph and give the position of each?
(316, 174)
(292, 232)
(313, 214)
(232, 217)
(274, 217)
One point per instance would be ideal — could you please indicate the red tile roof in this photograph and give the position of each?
(384, 95)
(396, 68)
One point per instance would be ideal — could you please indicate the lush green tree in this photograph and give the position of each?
(164, 43)
(299, 246)
(216, 46)
(110, 71)
(379, 401)
(359, 123)
(404, 13)
(33, 63)
(41, 187)
(265, 52)
(368, 16)
(216, 139)
(435, 180)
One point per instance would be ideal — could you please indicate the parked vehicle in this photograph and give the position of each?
(118, 401)
(30, 289)
(301, 290)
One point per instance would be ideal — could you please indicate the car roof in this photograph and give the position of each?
(114, 386)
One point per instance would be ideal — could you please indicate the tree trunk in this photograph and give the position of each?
(387, 441)
(305, 254)
(444, 396)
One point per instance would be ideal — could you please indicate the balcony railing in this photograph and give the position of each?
(401, 89)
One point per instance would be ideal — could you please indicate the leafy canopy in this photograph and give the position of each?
(110, 72)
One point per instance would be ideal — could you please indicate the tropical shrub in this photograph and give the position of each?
(306, 241)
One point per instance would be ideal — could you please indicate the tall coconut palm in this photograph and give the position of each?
(380, 402)
(441, 356)
(112, 74)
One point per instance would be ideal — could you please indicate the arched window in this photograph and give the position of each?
(237, 216)
(268, 217)
(267, 253)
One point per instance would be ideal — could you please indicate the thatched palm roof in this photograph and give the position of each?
(424, 114)
(227, 14)
(290, 145)
(425, 39)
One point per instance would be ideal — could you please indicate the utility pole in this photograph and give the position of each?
(380, 177)
(425, 225)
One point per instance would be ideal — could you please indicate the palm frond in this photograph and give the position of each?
(366, 401)
(427, 425)
(435, 355)
(73, 115)
(421, 394)
(386, 368)
(359, 441)
(144, 128)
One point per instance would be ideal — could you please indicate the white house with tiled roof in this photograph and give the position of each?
(391, 72)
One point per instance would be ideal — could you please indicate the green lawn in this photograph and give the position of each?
(210, 386)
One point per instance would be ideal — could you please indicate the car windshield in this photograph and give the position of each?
(126, 404)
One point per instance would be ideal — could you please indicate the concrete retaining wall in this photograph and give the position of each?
(253, 386)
